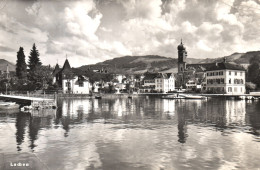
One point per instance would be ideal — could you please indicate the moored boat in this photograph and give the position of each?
(98, 97)
(8, 105)
(173, 96)
(189, 96)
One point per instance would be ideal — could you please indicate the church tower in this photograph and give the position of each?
(182, 55)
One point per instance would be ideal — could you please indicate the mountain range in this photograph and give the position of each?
(140, 64)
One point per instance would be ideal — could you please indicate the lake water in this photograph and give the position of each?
(138, 133)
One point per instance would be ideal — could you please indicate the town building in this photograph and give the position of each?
(158, 82)
(148, 83)
(165, 82)
(222, 77)
(70, 80)
(226, 78)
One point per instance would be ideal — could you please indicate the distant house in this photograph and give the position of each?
(164, 82)
(148, 82)
(158, 82)
(70, 80)
(119, 77)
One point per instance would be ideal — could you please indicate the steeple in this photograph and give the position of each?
(182, 55)
(56, 69)
(66, 65)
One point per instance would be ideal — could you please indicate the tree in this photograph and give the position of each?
(250, 86)
(34, 59)
(254, 70)
(21, 71)
(43, 75)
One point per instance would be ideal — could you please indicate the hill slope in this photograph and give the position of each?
(135, 64)
(3, 65)
(239, 58)
(139, 64)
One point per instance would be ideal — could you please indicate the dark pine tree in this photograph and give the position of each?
(21, 66)
(34, 59)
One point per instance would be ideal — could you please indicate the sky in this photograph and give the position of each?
(91, 31)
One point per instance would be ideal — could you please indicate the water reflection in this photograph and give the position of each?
(104, 130)
(219, 113)
(21, 124)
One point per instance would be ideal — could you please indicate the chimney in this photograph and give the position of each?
(225, 59)
(216, 63)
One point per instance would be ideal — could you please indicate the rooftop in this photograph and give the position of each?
(225, 66)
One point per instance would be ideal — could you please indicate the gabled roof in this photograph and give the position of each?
(225, 66)
(169, 75)
(164, 75)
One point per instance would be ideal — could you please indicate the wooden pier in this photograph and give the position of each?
(33, 101)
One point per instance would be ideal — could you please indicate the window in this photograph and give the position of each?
(67, 84)
(235, 89)
(229, 72)
(217, 73)
(241, 73)
(229, 81)
(235, 73)
(230, 89)
(81, 84)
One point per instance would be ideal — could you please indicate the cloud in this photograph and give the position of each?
(203, 46)
(6, 49)
(91, 31)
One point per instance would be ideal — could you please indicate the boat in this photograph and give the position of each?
(26, 108)
(8, 105)
(173, 96)
(98, 97)
(189, 96)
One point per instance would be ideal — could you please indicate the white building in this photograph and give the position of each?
(164, 82)
(225, 78)
(77, 85)
(69, 80)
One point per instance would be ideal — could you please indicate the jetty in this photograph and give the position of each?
(35, 102)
